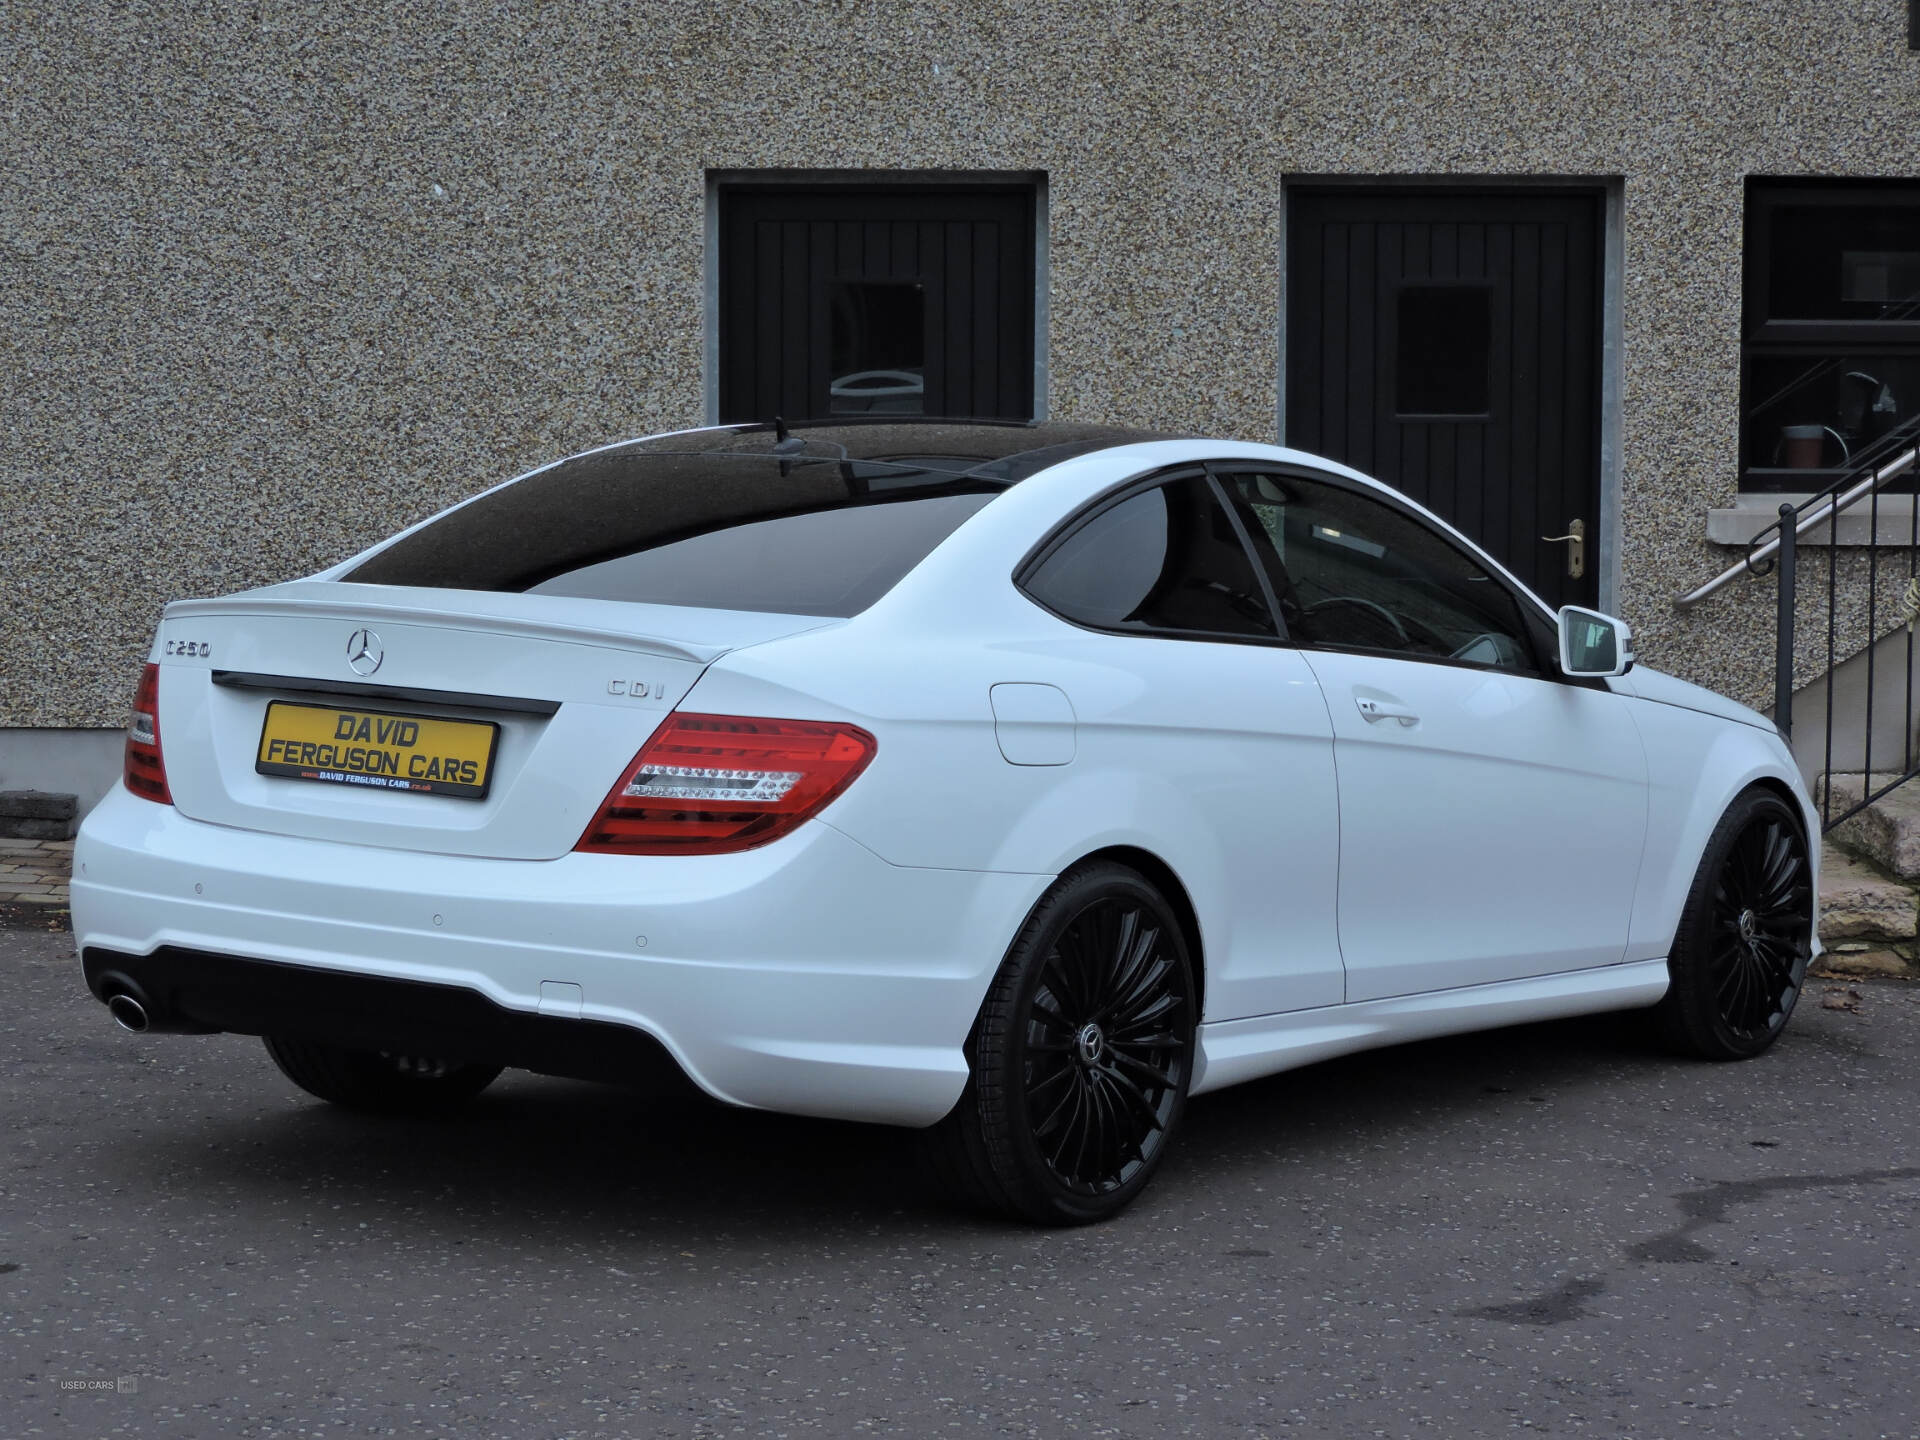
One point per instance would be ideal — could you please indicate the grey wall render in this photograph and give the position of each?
(280, 278)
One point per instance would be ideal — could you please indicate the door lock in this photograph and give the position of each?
(1576, 538)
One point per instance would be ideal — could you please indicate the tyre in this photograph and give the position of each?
(1080, 1059)
(1746, 935)
(376, 1081)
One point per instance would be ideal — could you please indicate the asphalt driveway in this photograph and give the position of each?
(1542, 1228)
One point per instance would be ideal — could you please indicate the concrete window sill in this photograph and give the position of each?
(1738, 523)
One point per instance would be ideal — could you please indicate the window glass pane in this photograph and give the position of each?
(876, 352)
(830, 562)
(1165, 559)
(1845, 262)
(1815, 411)
(1357, 574)
(805, 534)
(1441, 358)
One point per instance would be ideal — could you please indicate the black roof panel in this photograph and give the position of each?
(823, 521)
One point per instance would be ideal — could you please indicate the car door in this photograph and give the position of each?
(1492, 813)
(1194, 719)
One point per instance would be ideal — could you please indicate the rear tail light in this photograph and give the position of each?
(146, 770)
(709, 784)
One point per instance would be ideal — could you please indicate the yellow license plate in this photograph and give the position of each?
(413, 753)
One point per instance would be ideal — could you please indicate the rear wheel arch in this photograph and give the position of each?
(1080, 1057)
(1157, 873)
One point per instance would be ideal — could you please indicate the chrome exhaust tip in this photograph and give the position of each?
(128, 1013)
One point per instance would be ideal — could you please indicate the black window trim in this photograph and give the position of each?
(1546, 666)
(1541, 640)
(1119, 494)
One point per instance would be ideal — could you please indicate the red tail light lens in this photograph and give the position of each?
(146, 771)
(709, 784)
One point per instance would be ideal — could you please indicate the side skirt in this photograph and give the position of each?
(1235, 1050)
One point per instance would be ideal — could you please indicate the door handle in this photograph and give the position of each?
(1374, 711)
(1576, 538)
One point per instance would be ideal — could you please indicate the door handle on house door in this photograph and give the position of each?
(1374, 711)
(1576, 538)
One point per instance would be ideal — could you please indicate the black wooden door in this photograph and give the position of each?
(1449, 344)
(844, 300)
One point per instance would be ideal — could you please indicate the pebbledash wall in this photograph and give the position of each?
(277, 279)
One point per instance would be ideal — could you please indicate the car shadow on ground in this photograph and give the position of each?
(582, 1157)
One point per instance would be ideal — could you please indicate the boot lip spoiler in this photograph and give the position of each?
(485, 621)
(308, 685)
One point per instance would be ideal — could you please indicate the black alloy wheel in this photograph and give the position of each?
(1746, 936)
(376, 1081)
(1081, 1058)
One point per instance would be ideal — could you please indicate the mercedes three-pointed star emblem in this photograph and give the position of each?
(364, 652)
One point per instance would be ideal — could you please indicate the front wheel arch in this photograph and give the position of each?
(1730, 995)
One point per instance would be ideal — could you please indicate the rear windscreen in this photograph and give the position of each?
(805, 534)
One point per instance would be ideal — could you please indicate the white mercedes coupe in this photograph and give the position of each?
(1013, 782)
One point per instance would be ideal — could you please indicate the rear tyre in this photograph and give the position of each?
(1740, 957)
(1080, 1059)
(376, 1082)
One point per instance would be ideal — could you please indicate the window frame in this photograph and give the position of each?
(1126, 490)
(1763, 337)
(1533, 636)
(1539, 622)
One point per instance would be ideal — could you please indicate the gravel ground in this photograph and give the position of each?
(1544, 1228)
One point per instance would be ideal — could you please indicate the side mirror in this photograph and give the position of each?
(1592, 644)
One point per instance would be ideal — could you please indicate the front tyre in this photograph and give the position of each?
(1746, 936)
(375, 1081)
(1081, 1057)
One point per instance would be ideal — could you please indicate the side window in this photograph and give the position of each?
(1356, 574)
(1164, 560)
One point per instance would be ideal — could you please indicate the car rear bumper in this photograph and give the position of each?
(808, 976)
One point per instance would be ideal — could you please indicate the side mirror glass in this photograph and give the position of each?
(1592, 644)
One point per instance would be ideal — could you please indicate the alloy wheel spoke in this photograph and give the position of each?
(1163, 1005)
(1143, 992)
(1058, 1115)
(1136, 976)
(1072, 1123)
(1129, 1137)
(1103, 1043)
(1765, 881)
(1142, 1068)
(1135, 1098)
(1044, 1010)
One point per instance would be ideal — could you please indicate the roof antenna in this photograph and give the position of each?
(785, 445)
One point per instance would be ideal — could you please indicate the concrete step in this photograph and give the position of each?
(1887, 832)
(1857, 902)
(38, 815)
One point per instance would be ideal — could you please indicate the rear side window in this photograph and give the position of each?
(799, 536)
(1166, 560)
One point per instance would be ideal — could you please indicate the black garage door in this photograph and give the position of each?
(850, 300)
(1448, 342)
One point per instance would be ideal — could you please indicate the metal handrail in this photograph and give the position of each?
(1826, 507)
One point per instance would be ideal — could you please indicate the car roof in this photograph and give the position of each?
(1013, 449)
